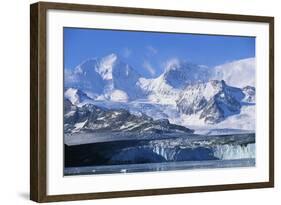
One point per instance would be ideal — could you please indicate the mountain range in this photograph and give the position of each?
(188, 89)
(92, 118)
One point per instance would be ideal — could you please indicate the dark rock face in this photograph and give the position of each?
(250, 94)
(67, 106)
(91, 118)
(212, 113)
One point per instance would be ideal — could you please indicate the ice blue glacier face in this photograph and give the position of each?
(161, 105)
(115, 119)
(210, 152)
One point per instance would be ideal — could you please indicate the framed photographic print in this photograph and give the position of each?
(134, 102)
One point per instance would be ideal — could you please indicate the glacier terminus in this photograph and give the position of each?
(188, 117)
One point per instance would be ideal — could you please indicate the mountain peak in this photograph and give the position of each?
(215, 100)
(172, 64)
(179, 73)
(106, 65)
(237, 73)
(250, 94)
(111, 58)
(218, 84)
(75, 96)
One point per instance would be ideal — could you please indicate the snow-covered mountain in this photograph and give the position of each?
(107, 77)
(250, 94)
(215, 100)
(177, 75)
(238, 73)
(111, 79)
(157, 90)
(182, 91)
(76, 96)
(92, 118)
(85, 77)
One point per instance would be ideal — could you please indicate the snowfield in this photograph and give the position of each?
(189, 117)
(240, 123)
(237, 73)
(210, 100)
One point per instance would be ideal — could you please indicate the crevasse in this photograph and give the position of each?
(235, 151)
(222, 152)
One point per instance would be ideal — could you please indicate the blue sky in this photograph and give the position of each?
(147, 52)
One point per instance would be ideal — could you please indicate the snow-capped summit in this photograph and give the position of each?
(103, 76)
(214, 100)
(157, 90)
(85, 77)
(178, 73)
(111, 67)
(239, 73)
(106, 65)
(75, 96)
(185, 88)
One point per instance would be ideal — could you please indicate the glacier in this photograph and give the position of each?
(186, 94)
(212, 151)
(189, 117)
(235, 151)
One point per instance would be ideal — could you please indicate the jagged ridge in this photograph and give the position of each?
(91, 118)
(215, 100)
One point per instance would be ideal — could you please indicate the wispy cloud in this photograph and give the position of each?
(171, 64)
(237, 73)
(147, 65)
(126, 52)
(151, 50)
(69, 76)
